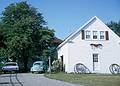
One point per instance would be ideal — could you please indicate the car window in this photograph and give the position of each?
(10, 65)
(38, 64)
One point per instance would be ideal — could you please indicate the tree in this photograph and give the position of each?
(25, 32)
(115, 26)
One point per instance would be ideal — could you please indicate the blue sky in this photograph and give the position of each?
(66, 16)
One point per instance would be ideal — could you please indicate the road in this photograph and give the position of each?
(28, 79)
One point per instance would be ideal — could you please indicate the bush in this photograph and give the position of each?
(56, 66)
(1, 64)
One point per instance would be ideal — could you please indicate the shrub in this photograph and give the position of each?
(56, 66)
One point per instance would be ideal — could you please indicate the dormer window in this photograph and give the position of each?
(102, 35)
(87, 34)
(94, 34)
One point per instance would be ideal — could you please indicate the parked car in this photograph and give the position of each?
(38, 66)
(10, 66)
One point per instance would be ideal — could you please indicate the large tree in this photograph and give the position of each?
(25, 33)
(115, 26)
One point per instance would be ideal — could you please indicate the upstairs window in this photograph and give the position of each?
(94, 34)
(87, 34)
(102, 35)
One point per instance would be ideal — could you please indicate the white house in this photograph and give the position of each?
(94, 45)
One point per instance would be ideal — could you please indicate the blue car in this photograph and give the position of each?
(38, 66)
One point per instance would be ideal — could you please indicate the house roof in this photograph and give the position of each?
(57, 40)
(74, 33)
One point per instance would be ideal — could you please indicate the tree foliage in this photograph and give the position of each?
(115, 26)
(25, 33)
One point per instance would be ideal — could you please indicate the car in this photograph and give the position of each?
(10, 66)
(38, 66)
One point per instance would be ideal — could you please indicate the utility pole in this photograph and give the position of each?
(49, 69)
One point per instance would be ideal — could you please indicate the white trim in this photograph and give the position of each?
(81, 28)
(73, 34)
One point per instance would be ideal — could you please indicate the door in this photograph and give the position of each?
(95, 62)
(62, 61)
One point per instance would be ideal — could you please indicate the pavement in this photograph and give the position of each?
(29, 79)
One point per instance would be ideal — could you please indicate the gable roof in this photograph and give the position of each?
(81, 28)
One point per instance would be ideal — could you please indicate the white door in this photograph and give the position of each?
(95, 62)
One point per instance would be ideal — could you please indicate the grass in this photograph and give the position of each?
(1, 72)
(87, 79)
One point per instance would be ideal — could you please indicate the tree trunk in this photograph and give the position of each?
(25, 61)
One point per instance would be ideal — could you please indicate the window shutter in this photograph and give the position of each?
(107, 35)
(83, 34)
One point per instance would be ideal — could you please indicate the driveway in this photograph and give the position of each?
(28, 79)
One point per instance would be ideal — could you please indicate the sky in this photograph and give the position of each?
(66, 16)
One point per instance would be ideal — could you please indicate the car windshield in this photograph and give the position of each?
(10, 64)
(38, 64)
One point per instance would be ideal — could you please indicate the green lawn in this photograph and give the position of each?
(87, 79)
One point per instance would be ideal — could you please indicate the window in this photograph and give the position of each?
(87, 34)
(94, 34)
(95, 62)
(95, 57)
(102, 35)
